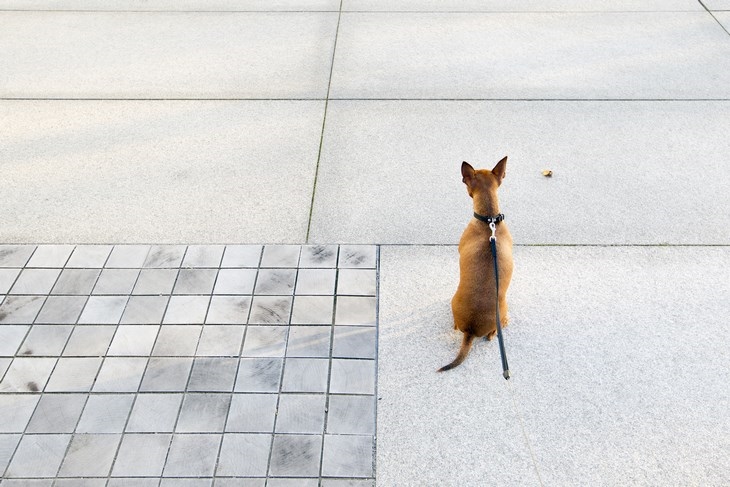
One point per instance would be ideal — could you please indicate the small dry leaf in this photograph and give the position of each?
(547, 173)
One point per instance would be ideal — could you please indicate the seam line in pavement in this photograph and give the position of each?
(713, 16)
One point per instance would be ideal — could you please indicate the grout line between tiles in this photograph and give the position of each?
(701, 2)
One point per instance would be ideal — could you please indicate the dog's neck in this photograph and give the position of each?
(486, 205)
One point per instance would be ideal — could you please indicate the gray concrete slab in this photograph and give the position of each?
(531, 55)
(717, 4)
(619, 367)
(173, 5)
(165, 55)
(623, 172)
(522, 5)
(159, 171)
(724, 18)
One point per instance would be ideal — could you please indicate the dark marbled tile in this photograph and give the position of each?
(295, 456)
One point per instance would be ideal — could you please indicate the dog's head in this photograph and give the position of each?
(483, 181)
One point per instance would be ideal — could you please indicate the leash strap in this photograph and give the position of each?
(502, 353)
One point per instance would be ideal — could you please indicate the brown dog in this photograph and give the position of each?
(474, 303)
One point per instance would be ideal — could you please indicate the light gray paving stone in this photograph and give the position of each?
(318, 256)
(355, 310)
(176, 5)
(351, 415)
(35, 281)
(144, 310)
(228, 309)
(74, 374)
(723, 17)
(270, 310)
(301, 482)
(357, 282)
(186, 310)
(192, 455)
(203, 413)
(105, 413)
(155, 281)
(57, 413)
(141, 455)
(80, 482)
(280, 256)
(92, 341)
(171, 482)
(154, 413)
(354, 342)
(50, 256)
(45, 340)
(128, 256)
(275, 282)
(20, 309)
(103, 310)
(308, 341)
(347, 456)
(301, 413)
(718, 5)
(220, 340)
(165, 256)
(252, 413)
(38, 456)
(28, 483)
(239, 481)
(8, 443)
(312, 310)
(11, 336)
(120, 374)
(76, 281)
(130, 340)
(203, 256)
(213, 375)
(15, 255)
(177, 340)
(347, 483)
(316, 281)
(241, 256)
(61, 309)
(305, 375)
(133, 482)
(195, 281)
(27, 374)
(235, 281)
(116, 281)
(258, 375)
(7, 278)
(243, 455)
(165, 374)
(352, 376)
(265, 341)
(520, 6)
(295, 456)
(357, 257)
(90, 456)
(85, 256)
(4, 364)
(17, 410)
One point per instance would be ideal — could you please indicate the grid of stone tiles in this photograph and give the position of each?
(187, 365)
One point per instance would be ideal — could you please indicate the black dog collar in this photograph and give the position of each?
(489, 219)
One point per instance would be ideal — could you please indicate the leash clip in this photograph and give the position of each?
(493, 228)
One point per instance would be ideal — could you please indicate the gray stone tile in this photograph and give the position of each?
(357, 257)
(295, 456)
(189, 5)
(312, 310)
(144, 310)
(7, 278)
(45, 340)
(270, 310)
(103, 310)
(76, 281)
(318, 256)
(241, 256)
(116, 281)
(717, 5)
(27, 374)
(239, 481)
(347, 456)
(131, 340)
(4, 364)
(166, 374)
(186, 310)
(355, 310)
(518, 6)
(203, 413)
(17, 410)
(192, 455)
(351, 415)
(74, 374)
(120, 374)
(141, 455)
(228, 309)
(35, 281)
(301, 413)
(177, 340)
(352, 377)
(155, 281)
(15, 255)
(265, 341)
(300, 482)
(235, 281)
(213, 375)
(128, 256)
(8, 443)
(11, 336)
(105, 413)
(89, 341)
(316, 281)
(27, 483)
(280, 256)
(308, 341)
(203, 256)
(38, 456)
(133, 482)
(20, 309)
(50, 256)
(80, 482)
(172, 482)
(220, 340)
(89, 256)
(305, 375)
(244, 455)
(258, 375)
(357, 282)
(252, 413)
(61, 309)
(165, 256)
(90, 456)
(354, 342)
(195, 281)
(275, 282)
(154, 413)
(57, 413)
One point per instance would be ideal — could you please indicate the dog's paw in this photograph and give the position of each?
(490, 336)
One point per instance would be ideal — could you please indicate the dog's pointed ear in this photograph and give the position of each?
(467, 173)
(500, 170)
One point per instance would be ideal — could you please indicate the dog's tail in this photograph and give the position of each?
(463, 352)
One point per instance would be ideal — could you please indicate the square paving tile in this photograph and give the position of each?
(252, 413)
(203, 413)
(301, 413)
(241, 256)
(133, 340)
(74, 374)
(355, 311)
(155, 413)
(220, 340)
(316, 281)
(45, 340)
(203, 256)
(17, 410)
(27, 374)
(308, 341)
(318, 256)
(228, 310)
(102, 310)
(354, 342)
(57, 413)
(38, 456)
(15, 255)
(352, 376)
(127, 256)
(144, 310)
(356, 282)
(195, 281)
(235, 281)
(76, 281)
(192, 455)
(273, 310)
(265, 341)
(90, 456)
(105, 413)
(11, 336)
(351, 415)
(8, 443)
(120, 374)
(312, 310)
(186, 309)
(296, 456)
(166, 374)
(141, 455)
(161, 256)
(50, 256)
(89, 256)
(275, 281)
(280, 256)
(7, 278)
(35, 281)
(244, 455)
(20, 309)
(155, 281)
(61, 309)
(347, 456)
(213, 374)
(116, 281)
(305, 375)
(177, 340)
(91, 341)
(258, 375)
